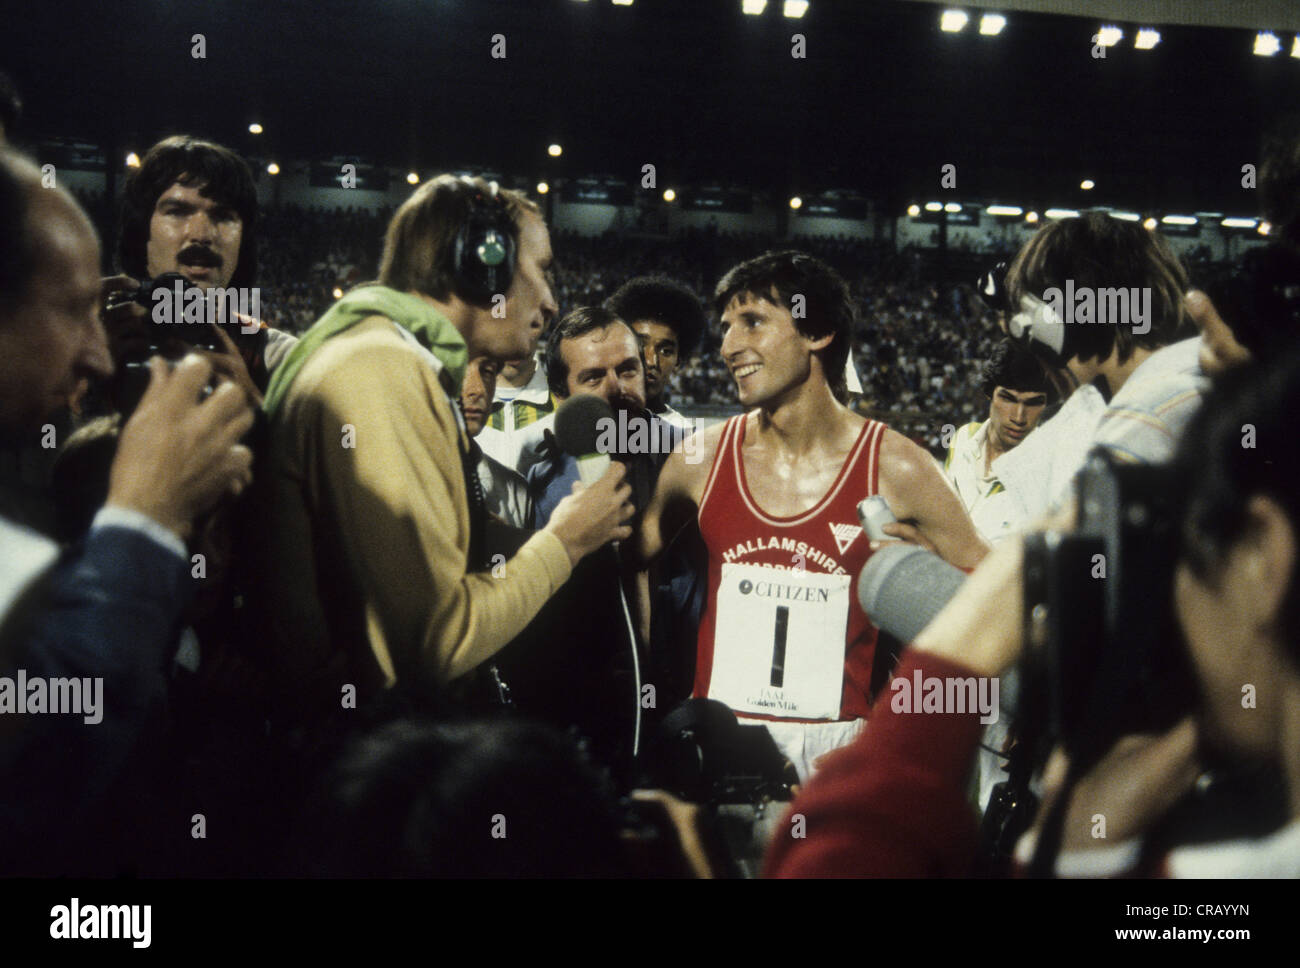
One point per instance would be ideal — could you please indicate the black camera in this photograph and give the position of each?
(1104, 657)
(166, 333)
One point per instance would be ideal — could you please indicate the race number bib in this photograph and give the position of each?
(778, 648)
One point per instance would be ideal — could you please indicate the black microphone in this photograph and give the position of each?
(578, 429)
(903, 587)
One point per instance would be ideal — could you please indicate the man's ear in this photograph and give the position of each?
(819, 342)
(1266, 557)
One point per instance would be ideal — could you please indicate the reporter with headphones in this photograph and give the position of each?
(371, 573)
(1130, 383)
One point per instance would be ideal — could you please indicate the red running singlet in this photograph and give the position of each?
(782, 636)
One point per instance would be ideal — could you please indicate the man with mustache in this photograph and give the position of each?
(191, 208)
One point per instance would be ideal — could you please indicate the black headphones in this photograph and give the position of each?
(485, 247)
(1033, 324)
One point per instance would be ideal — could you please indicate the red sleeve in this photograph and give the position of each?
(893, 803)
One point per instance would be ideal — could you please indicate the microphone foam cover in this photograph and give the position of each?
(577, 423)
(902, 587)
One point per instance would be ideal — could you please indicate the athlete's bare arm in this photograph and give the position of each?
(914, 486)
(675, 501)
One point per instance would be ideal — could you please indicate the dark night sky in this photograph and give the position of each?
(882, 100)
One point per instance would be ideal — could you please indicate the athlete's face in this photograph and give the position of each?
(1013, 413)
(606, 363)
(765, 352)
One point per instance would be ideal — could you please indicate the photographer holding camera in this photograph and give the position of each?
(1232, 579)
(107, 609)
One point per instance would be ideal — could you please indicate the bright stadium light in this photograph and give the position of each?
(1295, 46)
(914, 210)
(934, 206)
(1238, 223)
(794, 9)
(338, 293)
(1013, 211)
(753, 8)
(543, 188)
(273, 169)
(670, 195)
(1150, 224)
(1032, 218)
(412, 178)
(1264, 228)
(254, 128)
(953, 21)
(796, 203)
(1146, 38)
(952, 207)
(1178, 220)
(555, 151)
(1109, 36)
(622, 3)
(1126, 216)
(991, 24)
(133, 160)
(1058, 213)
(1087, 184)
(1266, 44)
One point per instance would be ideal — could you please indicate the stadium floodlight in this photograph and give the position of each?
(670, 195)
(555, 151)
(1126, 216)
(991, 24)
(543, 188)
(1032, 218)
(753, 8)
(952, 207)
(133, 160)
(1150, 224)
(1295, 46)
(953, 21)
(1013, 211)
(1059, 213)
(1146, 38)
(1239, 223)
(412, 178)
(1087, 184)
(796, 203)
(273, 169)
(254, 128)
(1109, 35)
(1266, 44)
(1264, 228)
(934, 206)
(1178, 220)
(622, 3)
(914, 210)
(794, 9)
(338, 293)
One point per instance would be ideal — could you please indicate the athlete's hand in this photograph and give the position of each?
(906, 532)
(592, 516)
